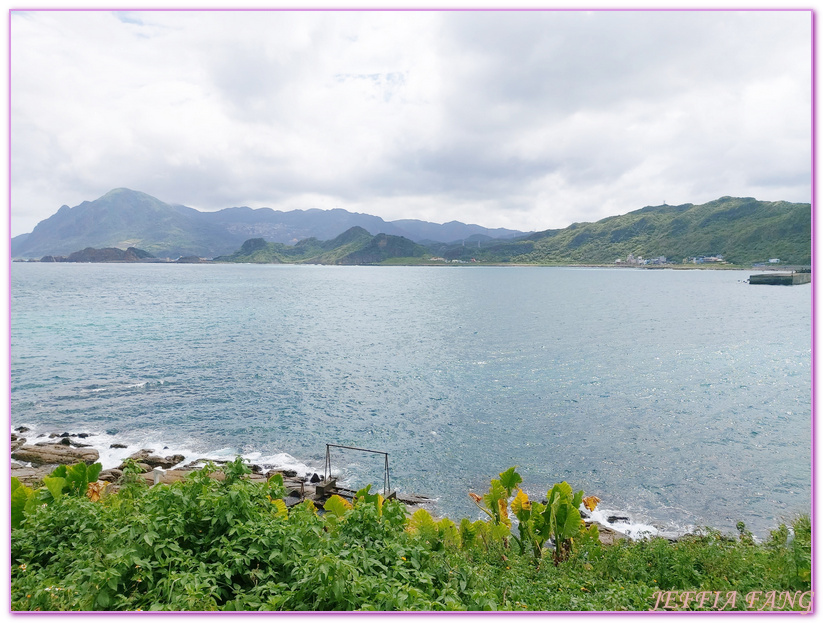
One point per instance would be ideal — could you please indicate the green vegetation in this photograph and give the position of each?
(207, 544)
(743, 230)
(353, 246)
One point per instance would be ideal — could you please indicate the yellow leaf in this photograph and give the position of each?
(521, 502)
(591, 502)
(504, 512)
(282, 511)
(95, 490)
(477, 499)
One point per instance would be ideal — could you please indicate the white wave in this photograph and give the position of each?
(635, 530)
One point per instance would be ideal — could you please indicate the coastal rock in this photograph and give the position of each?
(17, 442)
(617, 519)
(66, 441)
(118, 445)
(609, 536)
(54, 454)
(110, 475)
(145, 457)
(30, 476)
(22, 429)
(167, 462)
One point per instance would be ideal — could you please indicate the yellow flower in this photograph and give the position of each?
(403, 558)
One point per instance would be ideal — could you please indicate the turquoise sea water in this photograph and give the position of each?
(678, 397)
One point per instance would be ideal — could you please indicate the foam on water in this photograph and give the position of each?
(112, 457)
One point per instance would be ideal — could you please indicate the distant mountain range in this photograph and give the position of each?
(126, 218)
(353, 246)
(742, 230)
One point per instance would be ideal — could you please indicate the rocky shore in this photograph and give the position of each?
(32, 460)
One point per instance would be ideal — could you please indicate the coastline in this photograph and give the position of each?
(163, 464)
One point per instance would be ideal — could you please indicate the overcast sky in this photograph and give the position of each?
(528, 120)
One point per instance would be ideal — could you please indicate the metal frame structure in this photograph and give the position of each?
(327, 466)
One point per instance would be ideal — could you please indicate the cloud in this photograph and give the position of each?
(530, 120)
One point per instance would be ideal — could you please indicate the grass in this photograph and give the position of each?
(203, 544)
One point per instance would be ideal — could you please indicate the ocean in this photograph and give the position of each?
(681, 398)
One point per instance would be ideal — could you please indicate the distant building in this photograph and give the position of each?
(774, 260)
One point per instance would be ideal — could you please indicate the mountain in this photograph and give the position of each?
(353, 246)
(122, 218)
(742, 230)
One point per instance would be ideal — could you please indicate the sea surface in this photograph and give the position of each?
(681, 398)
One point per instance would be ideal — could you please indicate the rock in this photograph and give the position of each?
(41, 435)
(17, 443)
(65, 435)
(166, 463)
(314, 478)
(83, 435)
(65, 441)
(30, 476)
(118, 445)
(617, 519)
(55, 454)
(22, 429)
(145, 457)
(110, 475)
(608, 536)
(289, 473)
(256, 469)
(53, 435)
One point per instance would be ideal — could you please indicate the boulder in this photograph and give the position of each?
(110, 475)
(146, 457)
(17, 442)
(165, 463)
(54, 454)
(30, 476)
(118, 445)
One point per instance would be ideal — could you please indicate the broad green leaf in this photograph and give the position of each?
(493, 498)
(93, 472)
(20, 495)
(336, 506)
(55, 486)
(467, 532)
(421, 519)
(510, 479)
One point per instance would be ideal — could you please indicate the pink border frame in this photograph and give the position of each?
(6, 572)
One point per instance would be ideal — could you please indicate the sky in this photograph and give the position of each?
(529, 120)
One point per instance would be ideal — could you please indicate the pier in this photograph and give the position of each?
(781, 279)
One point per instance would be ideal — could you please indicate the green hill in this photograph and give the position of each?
(353, 246)
(742, 230)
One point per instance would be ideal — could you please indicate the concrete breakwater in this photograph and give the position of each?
(781, 279)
